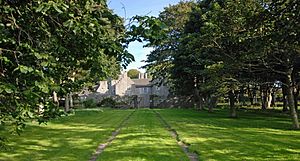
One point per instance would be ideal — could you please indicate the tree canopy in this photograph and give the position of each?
(54, 46)
(133, 73)
(216, 48)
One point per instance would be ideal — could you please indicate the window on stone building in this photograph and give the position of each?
(144, 90)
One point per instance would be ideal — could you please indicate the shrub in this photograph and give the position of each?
(122, 104)
(89, 103)
(108, 102)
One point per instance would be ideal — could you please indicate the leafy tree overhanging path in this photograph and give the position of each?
(144, 134)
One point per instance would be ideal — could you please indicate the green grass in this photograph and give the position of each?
(143, 139)
(253, 136)
(68, 138)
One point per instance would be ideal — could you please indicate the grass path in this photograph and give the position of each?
(102, 146)
(253, 136)
(144, 139)
(68, 138)
(185, 147)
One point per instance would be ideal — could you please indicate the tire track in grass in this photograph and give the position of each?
(143, 139)
(102, 146)
(193, 156)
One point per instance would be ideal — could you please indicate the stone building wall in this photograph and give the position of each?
(143, 88)
(124, 86)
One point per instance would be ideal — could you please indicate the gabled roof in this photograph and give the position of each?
(142, 82)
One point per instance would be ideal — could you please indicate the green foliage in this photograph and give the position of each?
(160, 61)
(3, 143)
(121, 104)
(108, 102)
(89, 103)
(48, 46)
(133, 73)
(213, 48)
(149, 29)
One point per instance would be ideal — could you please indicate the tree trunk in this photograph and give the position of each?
(232, 104)
(284, 99)
(296, 102)
(291, 102)
(212, 103)
(273, 102)
(71, 100)
(242, 97)
(263, 99)
(250, 95)
(269, 99)
(255, 96)
(55, 99)
(296, 94)
(198, 100)
(67, 103)
(201, 103)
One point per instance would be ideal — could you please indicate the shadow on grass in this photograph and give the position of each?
(147, 147)
(253, 136)
(142, 152)
(68, 138)
(246, 118)
(144, 139)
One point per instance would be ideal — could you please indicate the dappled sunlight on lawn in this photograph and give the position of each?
(144, 138)
(214, 136)
(250, 137)
(67, 138)
(72, 127)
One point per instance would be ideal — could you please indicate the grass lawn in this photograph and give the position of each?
(68, 138)
(143, 139)
(253, 136)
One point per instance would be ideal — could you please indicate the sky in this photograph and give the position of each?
(142, 8)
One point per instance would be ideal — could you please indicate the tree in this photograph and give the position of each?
(221, 47)
(276, 42)
(173, 18)
(133, 73)
(53, 46)
(211, 49)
